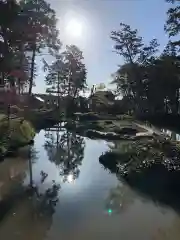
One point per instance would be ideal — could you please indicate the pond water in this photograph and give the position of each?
(57, 189)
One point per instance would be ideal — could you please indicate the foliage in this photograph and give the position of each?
(9, 43)
(149, 82)
(26, 28)
(129, 45)
(41, 32)
(67, 75)
(173, 20)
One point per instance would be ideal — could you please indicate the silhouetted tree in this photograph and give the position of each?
(67, 75)
(9, 12)
(136, 54)
(173, 20)
(40, 32)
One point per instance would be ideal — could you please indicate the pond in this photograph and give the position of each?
(57, 189)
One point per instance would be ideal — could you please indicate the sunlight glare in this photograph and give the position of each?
(74, 28)
(70, 178)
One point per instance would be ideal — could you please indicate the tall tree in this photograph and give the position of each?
(136, 54)
(67, 75)
(8, 14)
(172, 26)
(40, 31)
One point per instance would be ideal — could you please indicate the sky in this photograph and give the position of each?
(98, 18)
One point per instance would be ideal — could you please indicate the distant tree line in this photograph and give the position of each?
(150, 81)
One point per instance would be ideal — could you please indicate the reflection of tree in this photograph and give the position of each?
(45, 203)
(29, 211)
(26, 207)
(41, 202)
(32, 159)
(48, 199)
(119, 199)
(66, 150)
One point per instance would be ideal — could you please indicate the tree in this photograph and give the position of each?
(172, 26)
(40, 32)
(67, 75)
(68, 72)
(168, 75)
(136, 54)
(129, 45)
(160, 82)
(75, 70)
(8, 45)
(14, 61)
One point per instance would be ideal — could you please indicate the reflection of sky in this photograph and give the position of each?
(89, 174)
(84, 194)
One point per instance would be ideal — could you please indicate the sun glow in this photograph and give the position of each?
(70, 178)
(74, 28)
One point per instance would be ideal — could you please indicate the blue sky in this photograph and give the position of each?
(99, 18)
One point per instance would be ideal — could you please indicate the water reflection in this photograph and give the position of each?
(66, 150)
(23, 203)
(96, 205)
(152, 179)
(119, 199)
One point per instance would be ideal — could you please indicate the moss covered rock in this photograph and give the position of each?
(15, 133)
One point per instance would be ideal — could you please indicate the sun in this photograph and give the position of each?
(70, 178)
(74, 28)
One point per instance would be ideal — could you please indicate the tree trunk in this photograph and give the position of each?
(2, 79)
(177, 101)
(32, 70)
(5, 52)
(68, 97)
(137, 80)
(58, 89)
(19, 86)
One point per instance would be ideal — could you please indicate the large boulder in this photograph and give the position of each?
(16, 133)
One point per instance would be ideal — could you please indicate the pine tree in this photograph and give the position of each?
(39, 30)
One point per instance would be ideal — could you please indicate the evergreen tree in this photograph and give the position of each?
(40, 31)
